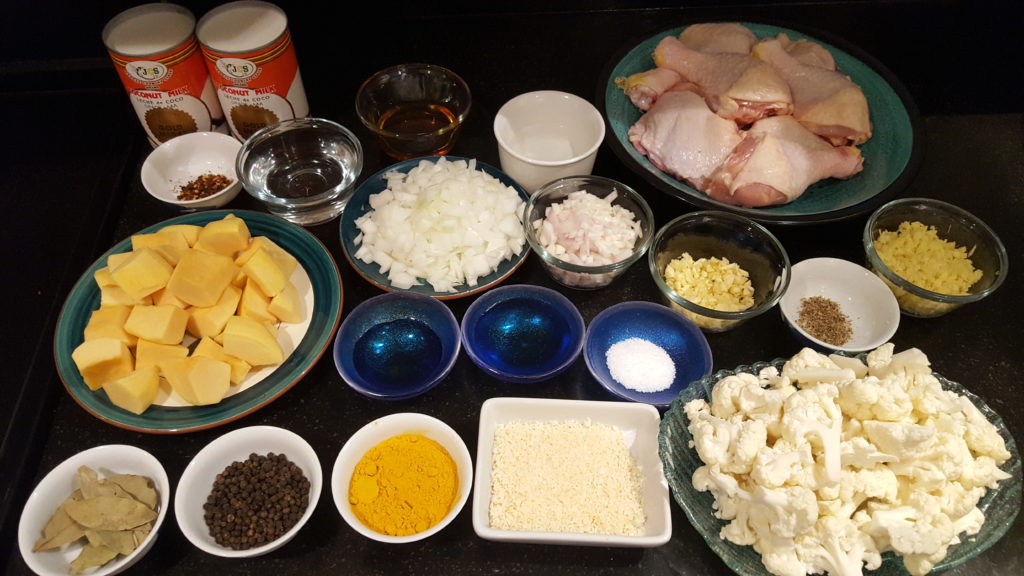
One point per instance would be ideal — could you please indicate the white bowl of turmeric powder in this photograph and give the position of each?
(934, 256)
(193, 171)
(402, 478)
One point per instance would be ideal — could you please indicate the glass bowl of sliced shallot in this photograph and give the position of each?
(587, 230)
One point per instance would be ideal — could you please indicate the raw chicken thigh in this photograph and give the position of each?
(729, 37)
(736, 86)
(749, 123)
(777, 160)
(683, 137)
(826, 101)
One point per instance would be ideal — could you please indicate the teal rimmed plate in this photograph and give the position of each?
(680, 461)
(891, 156)
(359, 205)
(325, 316)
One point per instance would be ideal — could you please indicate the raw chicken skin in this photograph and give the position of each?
(826, 101)
(737, 86)
(731, 37)
(682, 137)
(807, 52)
(777, 160)
(643, 88)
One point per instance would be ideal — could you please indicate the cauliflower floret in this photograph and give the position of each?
(857, 452)
(904, 441)
(809, 368)
(869, 398)
(811, 415)
(783, 463)
(730, 445)
(839, 547)
(981, 435)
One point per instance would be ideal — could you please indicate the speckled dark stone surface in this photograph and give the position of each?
(70, 168)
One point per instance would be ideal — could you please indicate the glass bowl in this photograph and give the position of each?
(414, 109)
(303, 169)
(986, 252)
(522, 334)
(397, 345)
(586, 230)
(716, 234)
(680, 460)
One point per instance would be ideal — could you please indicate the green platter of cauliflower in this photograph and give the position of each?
(840, 465)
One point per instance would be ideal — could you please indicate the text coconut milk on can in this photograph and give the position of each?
(157, 56)
(252, 62)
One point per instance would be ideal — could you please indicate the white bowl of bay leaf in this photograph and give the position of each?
(103, 479)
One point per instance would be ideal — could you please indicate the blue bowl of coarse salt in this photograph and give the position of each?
(645, 352)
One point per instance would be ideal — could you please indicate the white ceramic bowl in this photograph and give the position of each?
(546, 135)
(869, 304)
(639, 424)
(197, 481)
(180, 160)
(56, 486)
(380, 430)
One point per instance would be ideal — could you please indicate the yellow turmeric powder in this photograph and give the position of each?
(404, 485)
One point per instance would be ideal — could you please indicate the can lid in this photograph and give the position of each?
(148, 29)
(242, 26)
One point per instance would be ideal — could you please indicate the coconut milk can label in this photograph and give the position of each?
(157, 57)
(251, 58)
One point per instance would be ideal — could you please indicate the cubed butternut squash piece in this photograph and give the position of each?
(190, 232)
(200, 277)
(251, 341)
(284, 259)
(199, 380)
(108, 322)
(101, 360)
(136, 391)
(227, 236)
(210, 320)
(115, 260)
(265, 271)
(148, 353)
(142, 273)
(288, 306)
(161, 324)
(103, 277)
(164, 298)
(114, 295)
(254, 304)
(239, 368)
(170, 245)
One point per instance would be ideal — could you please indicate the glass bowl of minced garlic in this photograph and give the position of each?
(935, 257)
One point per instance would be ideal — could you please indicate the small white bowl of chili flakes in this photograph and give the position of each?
(193, 171)
(835, 305)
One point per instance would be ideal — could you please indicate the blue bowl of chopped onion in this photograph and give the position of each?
(645, 352)
(441, 226)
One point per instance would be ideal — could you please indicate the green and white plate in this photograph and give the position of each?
(891, 156)
(261, 387)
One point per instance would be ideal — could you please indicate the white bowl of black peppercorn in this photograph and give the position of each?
(248, 492)
(835, 305)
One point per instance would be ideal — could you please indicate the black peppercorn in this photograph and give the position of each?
(256, 501)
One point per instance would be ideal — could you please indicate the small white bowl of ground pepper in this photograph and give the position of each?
(402, 478)
(193, 171)
(836, 305)
(248, 492)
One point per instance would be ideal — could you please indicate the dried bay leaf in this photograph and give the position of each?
(110, 513)
(92, 556)
(60, 529)
(140, 488)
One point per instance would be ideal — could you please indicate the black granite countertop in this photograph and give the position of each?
(70, 166)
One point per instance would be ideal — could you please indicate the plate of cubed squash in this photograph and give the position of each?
(197, 321)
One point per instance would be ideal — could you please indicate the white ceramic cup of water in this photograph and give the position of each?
(546, 135)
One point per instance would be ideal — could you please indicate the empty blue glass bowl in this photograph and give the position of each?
(397, 345)
(679, 337)
(522, 334)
